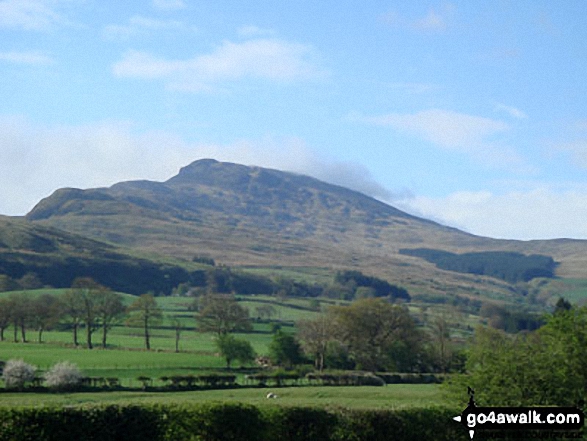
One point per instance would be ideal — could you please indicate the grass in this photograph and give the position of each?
(357, 397)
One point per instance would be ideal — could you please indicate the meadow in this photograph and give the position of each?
(126, 359)
(395, 396)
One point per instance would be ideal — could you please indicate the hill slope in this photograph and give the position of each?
(250, 215)
(57, 258)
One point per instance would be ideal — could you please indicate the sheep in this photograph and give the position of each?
(271, 395)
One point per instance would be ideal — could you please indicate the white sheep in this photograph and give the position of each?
(271, 395)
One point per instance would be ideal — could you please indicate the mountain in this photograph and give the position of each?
(254, 216)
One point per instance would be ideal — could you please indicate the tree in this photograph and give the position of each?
(315, 336)
(547, 367)
(85, 293)
(222, 314)
(265, 311)
(178, 326)
(45, 313)
(20, 305)
(379, 335)
(30, 281)
(63, 376)
(7, 283)
(232, 348)
(5, 315)
(73, 308)
(145, 312)
(440, 335)
(109, 309)
(284, 350)
(16, 373)
(562, 305)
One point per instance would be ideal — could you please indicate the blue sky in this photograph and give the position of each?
(473, 114)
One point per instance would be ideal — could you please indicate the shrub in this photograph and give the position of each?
(63, 376)
(16, 373)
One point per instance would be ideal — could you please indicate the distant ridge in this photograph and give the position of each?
(243, 215)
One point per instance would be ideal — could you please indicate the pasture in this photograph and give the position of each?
(396, 396)
(125, 359)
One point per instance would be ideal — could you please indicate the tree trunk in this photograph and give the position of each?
(89, 335)
(147, 343)
(22, 332)
(41, 335)
(2, 334)
(15, 332)
(177, 340)
(104, 332)
(75, 342)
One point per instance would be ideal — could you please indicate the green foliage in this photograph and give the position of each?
(284, 350)
(222, 314)
(227, 422)
(379, 288)
(509, 266)
(205, 260)
(510, 321)
(379, 335)
(232, 348)
(545, 367)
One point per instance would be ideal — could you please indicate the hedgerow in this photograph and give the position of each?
(227, 421)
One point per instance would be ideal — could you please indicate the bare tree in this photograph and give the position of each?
(109, 309)
(315, 336)
(45, 313)
(20, 304)
(145, 312)
(5, 316)
(73, 308)
(86, 292)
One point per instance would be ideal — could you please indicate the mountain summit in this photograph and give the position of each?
(243, 215)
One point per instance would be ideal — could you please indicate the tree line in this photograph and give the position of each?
(370, 334)
(86, 304)
(346, 285)
(509, 266)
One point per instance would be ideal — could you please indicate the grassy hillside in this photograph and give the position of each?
(57, 258)
(256, 217)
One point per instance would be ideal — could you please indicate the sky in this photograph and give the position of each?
(472, 114)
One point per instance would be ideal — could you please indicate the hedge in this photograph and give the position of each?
(226, 421)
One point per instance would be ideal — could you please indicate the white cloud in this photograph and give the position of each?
(474, 135)
(37, 160)
(254, 31)
(30, 58)
(451, 130)
(542, 213)
(412, 88)
(511, 111)
(30, 15)
(169, 5)
(138, 26)
(435, 20)
(262, 58)
(577, 150)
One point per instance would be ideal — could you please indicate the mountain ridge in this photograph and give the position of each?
(243, 215)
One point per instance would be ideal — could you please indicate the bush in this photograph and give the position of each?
(16, 373)
(224, 422)
(63, 376)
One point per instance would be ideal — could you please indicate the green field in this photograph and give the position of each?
(357, 397)
(126, 359)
